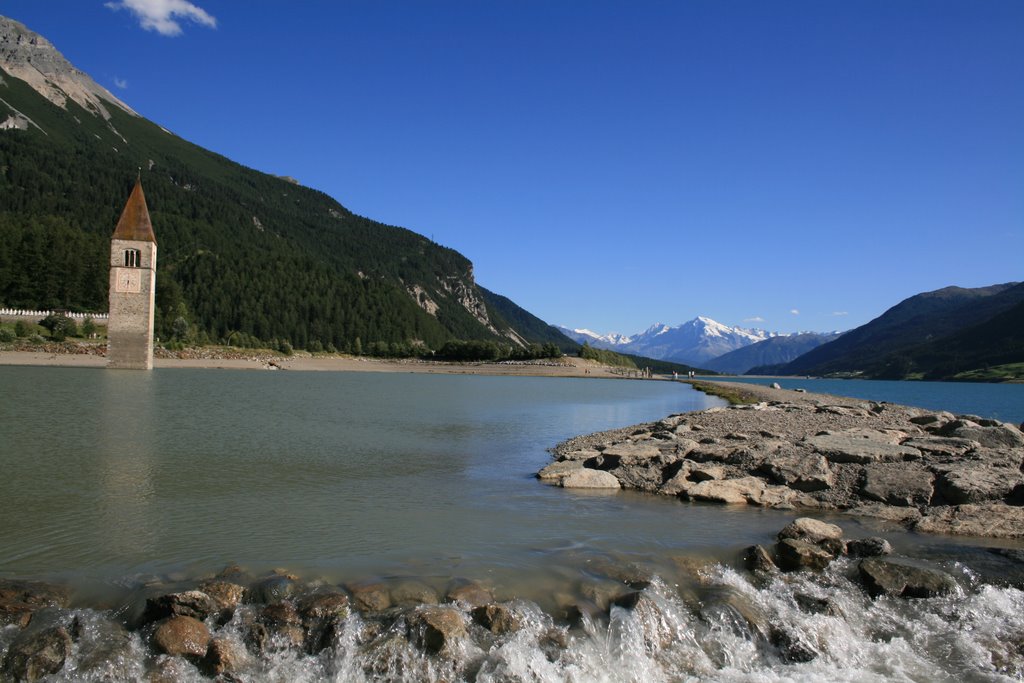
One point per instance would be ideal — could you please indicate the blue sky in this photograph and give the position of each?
(793, 165)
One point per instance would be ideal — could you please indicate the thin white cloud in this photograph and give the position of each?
(163, 16)
(794, 311)
(755, 319)
(120, 83)
(840, 313)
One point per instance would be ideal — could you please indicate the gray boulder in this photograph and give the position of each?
(994, 520)
(861, 446)
(868, 547)
(889, 577)
(559, 469)
(897, 486)
(1000, 436)
(800, 471)
(794, 555)
(590, 479)
(977, 484)
(811, 530)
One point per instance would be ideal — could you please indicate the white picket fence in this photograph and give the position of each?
(22, 314)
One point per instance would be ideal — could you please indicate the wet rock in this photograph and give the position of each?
(756, 558)
(679, 483)
(19, 599)
(496, 618)
(590, 479)
(888, 577)
(897, 486)
(435, 629)
(977, 484)
(810, 530)
(182, 636)
(37, 653)
(469, 593)
(816, 605)
(868, 547)
(794, 555)
(559, 469)
(284, 626)
(223, 657)
(195, 604)
(742, 490)
(319, 606)
(413, 593)
(226, 596)
(861, 446)
(272, 589)
(369, 597)
(993, 520)
(792, 648)
(800, 471)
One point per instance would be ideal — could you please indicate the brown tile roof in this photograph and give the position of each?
(134, 223)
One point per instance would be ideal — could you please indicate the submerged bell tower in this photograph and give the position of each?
(132, 287)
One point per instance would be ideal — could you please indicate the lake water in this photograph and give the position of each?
(113, 479)
(997, 401)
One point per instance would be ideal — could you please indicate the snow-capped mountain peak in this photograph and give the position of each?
(692, 342)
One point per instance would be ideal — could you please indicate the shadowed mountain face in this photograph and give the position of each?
(772, 351)
(243, 254)
(934, 335)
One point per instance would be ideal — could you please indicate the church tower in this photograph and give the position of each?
(132, 287)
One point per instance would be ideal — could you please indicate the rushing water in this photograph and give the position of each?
(114, 479)
(998, 401)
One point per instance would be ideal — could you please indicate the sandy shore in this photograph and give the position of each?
(567, 367)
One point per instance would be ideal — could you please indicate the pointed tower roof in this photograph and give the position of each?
(134, 223)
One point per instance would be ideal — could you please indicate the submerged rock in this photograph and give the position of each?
(19, 599)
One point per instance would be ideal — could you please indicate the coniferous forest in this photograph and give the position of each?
(244, 257)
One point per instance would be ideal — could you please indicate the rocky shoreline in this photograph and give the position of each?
(929, 471)
(783, 599)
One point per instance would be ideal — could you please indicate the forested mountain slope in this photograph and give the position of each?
(242, 254)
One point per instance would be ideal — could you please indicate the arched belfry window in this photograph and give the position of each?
(132, 258)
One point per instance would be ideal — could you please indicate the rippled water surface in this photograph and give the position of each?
(129, 483)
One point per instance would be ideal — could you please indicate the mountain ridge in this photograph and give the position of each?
(243, 254)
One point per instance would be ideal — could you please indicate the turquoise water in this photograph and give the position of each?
(998, 401)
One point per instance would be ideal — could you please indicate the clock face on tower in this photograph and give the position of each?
(128, 280)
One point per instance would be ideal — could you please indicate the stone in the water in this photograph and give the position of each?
(369, 597)
(225, 595)
(811, 530)
(757, 559)
(412, 593)
(35, 654)
(435, 629)
(795, 554)
(498, 619)
(590, 479)
(559, 469)
(868, 547)
(19, 599)
(196, 604)
(182, 636)
(994, 520)
(888, 577)
(895, 485)
(470, 593)
(272, 589)
(223, 657)
(742, 490)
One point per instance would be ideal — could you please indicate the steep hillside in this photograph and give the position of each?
(242, 254)
(888, 345)
(772, 351)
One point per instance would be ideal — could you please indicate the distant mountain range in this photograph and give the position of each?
(949, 333)
(771, 351)
(693, 343)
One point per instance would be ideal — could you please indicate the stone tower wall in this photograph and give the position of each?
(132, 304)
